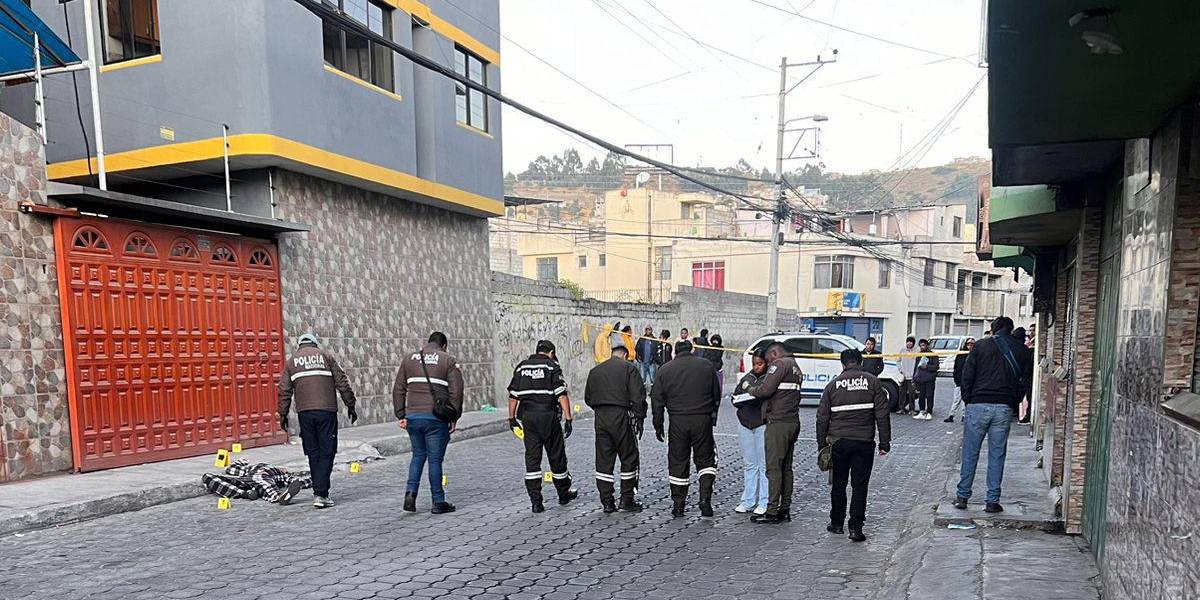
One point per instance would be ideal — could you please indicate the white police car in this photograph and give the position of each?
(818, 372)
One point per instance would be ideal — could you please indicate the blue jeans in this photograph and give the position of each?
(754, 465)
(979, 421)
(429, 437)
(649, 370)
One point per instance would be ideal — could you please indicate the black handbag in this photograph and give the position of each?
(443, 409)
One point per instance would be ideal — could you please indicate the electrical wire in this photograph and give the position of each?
(87, 146)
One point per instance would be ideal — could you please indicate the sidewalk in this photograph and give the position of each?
(1027, 499)
(59, 499)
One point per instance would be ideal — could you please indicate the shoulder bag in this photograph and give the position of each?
(443, 409)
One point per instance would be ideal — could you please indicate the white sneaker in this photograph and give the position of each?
(928, 416)
(918, 416)
(322, 502)
(761, 510)
(741, 508)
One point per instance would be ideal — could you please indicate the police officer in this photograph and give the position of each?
(852, 408)
(616, 392)
(314, 379)
(687, 387)
(537, 403)
(781, 389)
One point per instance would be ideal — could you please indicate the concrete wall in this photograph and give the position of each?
(258, 67)
(35, 434)
(375, 276)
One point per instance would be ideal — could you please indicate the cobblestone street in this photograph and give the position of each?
(495, 548)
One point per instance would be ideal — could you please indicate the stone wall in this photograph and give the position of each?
(375, 276)
(35, 437)
(528, 310)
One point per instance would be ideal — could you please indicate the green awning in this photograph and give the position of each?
(1013, 257)
(1028, 215)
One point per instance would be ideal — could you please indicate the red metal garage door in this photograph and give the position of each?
(174, 340)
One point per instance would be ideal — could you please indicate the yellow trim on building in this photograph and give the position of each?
(262, 144)
(362, 82)
(474, 130)
(135, 62)
(447, 29)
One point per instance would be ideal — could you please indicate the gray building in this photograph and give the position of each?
(359, 185)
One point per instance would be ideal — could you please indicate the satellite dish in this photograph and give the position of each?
(642, 177)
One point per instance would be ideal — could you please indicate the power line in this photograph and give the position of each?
(708, 47)
(630, 29)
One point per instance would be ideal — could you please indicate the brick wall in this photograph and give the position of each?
(35, 437)
(1082, 388)
(375, 275)
(1057, 422)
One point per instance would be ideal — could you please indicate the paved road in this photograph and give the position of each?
(493, 547)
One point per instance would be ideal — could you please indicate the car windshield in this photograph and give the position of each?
(945, 344)
(849, 341)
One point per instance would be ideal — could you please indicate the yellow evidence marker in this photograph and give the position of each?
(547, 477)
(236, 449)
(578, 409)
(445, 481)
(223, 504)
(222, 460)
(355, 467)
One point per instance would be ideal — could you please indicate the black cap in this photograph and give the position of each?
(545, 347)
(851, 356)
(683, 346)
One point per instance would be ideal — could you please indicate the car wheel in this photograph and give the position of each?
(893, 392)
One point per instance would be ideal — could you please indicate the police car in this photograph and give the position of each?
(946, 344)
(818, 372)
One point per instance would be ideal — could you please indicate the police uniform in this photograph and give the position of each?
(688, 389)
(616, 392)
(537, 383)
(852, 408)
(781, 389)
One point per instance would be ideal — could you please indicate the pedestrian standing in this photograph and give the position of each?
(999, 371)
(1023, 406)
(925, 379)
(646, 349)
(538, 403)
(630, 342)
(853, 407)
(908, 368)
(872, 361)
(663, 351)
(688, 390)
(716, 355)
(960, 361)
(616, 393)
(780, 388)
(426, 378)
(684, 335)
(700, 344)
(314, 379)
(752, 438)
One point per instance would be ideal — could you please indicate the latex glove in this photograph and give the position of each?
(884, 448)
(513, 423)
(283, 423)
(567, 425)
(639, 427)
(353, 414)
(745, 385)
(658, 433)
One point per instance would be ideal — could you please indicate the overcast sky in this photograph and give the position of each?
(715, 108)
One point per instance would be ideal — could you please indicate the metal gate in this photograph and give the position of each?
(174, 340)
(1095, 488)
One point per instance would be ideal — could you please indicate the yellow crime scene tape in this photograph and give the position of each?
(607, 331)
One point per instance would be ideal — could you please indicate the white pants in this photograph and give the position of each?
(958, 403)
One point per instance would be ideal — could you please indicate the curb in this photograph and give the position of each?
(392, 445)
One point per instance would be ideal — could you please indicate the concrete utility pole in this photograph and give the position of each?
(781, 208)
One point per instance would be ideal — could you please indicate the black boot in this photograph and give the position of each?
(538, 507)
(410, 502)
(835, 528)
(566, 498)
(630, 505)
(856, 534)
(609, 505)
(766, 519)
(440, 508)
(706, 492)
(677, 509)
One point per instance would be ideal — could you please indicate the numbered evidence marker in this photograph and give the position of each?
(445, 481)
(547, 477)
(222, 460)
(236, 449)
(223, 504)
(356, 467)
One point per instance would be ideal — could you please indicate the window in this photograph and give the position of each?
(929, 266)
(685, 212)
(582, 261)
(949, 282)
(547, 268)
(833, 272)
(354, 54)
(471, 105)
(827, 346)
(885, 274)
(709, 275)
(604, 260)
(130, 29)
(957, 231)
(662, 261)
(800, 345)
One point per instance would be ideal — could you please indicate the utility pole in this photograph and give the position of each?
(781, 209)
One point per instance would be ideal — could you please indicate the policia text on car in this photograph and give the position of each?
(538, 403)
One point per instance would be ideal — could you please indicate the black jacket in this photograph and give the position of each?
(663, 352)
(751, 411)
(781, 390)
(873, 366)
(988, 377)
(685, 386)
(853, 406)
(616, 382)
(928, 372)
(537, 383)
(716, 357)
(960, 362)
